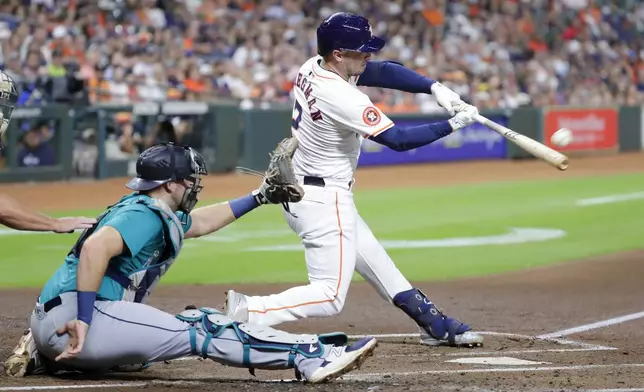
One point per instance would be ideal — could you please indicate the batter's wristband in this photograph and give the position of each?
(86, 306)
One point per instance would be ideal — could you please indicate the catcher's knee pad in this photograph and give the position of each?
(417, 306)
(214, 323)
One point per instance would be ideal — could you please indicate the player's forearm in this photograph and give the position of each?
(387, 74)
(14, 215)
(407, 138)
(206, 220)
(94, 258)
(92, 264)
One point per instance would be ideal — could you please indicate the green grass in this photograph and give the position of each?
(400, 214)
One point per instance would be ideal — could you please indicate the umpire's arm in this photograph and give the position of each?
(16, 216)
(206, 220)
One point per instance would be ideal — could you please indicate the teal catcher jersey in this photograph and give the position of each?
(152, 241)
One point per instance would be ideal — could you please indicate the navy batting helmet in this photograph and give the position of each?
(166, 162)
(345, 31)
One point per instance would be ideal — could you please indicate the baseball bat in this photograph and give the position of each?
(539, 150)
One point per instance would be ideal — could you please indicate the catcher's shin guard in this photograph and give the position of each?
(439, 329)
(214, 323)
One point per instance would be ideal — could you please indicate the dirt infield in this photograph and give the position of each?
(512, 309)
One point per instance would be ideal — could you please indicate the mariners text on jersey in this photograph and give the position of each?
(303, 84)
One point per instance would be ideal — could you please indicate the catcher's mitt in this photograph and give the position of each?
(279, 185)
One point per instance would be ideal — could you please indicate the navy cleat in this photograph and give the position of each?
(436, 329)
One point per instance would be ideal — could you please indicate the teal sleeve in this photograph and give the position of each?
(186, 220)
(138, 226)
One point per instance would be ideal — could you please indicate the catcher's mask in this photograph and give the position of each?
(167, 162)
(8, 100)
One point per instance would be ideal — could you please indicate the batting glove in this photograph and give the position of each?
(465, 116)
(446, 98)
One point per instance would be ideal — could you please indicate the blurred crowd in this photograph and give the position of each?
(495, 53)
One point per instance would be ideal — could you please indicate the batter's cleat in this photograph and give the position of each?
(343, 359)
(436, 328)
(236, 306)
(24, 359)
(466, 339)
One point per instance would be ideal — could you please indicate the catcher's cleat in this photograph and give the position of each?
(236, 306)
(24, 359)
(342, 360)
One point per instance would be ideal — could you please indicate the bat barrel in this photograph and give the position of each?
(539, 150)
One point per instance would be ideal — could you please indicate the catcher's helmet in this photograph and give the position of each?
(345, 31)
(8, 100)
(166, 162)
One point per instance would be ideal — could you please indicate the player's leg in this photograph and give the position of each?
(326, 222)
(374, 264)
(24, 359)
(125, 332)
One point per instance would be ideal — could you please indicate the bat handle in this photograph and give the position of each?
(491, 124)
(480, 119)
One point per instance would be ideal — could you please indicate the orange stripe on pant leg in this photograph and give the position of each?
(337, 288)
(337, 213)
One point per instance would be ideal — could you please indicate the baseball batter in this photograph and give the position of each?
(91, 316)
(331, 118)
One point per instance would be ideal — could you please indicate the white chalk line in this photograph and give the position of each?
(609, 199)
(473, 353)
(580, 346)
(501, 352)
(591, 326)
(75, 386)
(502, 334)
(349, 377)
(378, 376)
(615, 390)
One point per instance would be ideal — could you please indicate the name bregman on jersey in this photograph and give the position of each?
(305, 85)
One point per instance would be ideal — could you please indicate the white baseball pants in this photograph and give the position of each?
(337, 242)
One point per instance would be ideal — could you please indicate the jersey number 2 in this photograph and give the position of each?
(295, 121)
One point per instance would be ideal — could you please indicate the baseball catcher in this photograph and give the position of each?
(91, 314)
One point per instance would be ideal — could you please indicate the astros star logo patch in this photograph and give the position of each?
(370, 116)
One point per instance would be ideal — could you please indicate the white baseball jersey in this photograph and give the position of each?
(330, 119)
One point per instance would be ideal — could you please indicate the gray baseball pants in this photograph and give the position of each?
(126, 333)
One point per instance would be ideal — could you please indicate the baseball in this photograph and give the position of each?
(562, 137)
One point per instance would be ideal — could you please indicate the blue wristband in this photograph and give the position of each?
(85, 305)
(243, 205)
